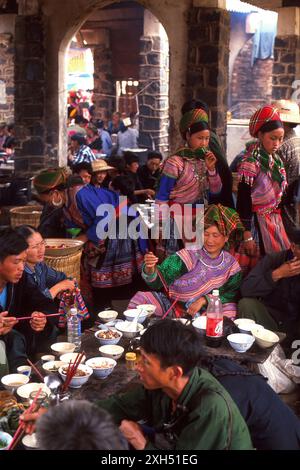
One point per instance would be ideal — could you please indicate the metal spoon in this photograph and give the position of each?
(53, 382)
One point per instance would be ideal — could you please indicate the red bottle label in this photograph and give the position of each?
(214, 327)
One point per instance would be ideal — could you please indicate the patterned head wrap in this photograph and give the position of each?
(226, 219)
(192, 117)
(50, 179)
(261, 117)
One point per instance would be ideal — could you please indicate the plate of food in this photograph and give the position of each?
(62, 246)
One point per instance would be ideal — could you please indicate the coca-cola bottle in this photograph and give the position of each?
(214, 324)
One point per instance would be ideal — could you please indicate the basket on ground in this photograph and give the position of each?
(28, 215)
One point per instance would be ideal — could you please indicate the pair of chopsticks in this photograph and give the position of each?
(40, 376)
(20, 431)
(30, 318)
(167, 294)
(72, 368)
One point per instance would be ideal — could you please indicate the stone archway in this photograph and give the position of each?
(60, 32)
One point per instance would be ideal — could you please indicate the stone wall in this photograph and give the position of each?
(104, 84)
(286, 56)
(30, 112)
(6, 77)
(208, 57)
(154, 93)
(251, 86)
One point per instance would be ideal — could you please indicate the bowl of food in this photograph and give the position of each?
(71, 357)
(133, 313)
(62, 348)
(114, 351)
(244, 325)
(29, 442)
(102, 366)
(129, 329)
(109, 336)
(81, 376)
(25, 390)
(14, 381)
(53, 366)
(5, 440)
(200, 324)
(265, 338)
(62, 246)
(240, 342)
(107, 315)
(26, 370)
(149, 308)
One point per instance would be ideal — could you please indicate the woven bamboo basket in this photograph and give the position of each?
(28, 215)
(70, 264)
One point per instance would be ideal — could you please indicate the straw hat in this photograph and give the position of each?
(100, 165)
(288, 110)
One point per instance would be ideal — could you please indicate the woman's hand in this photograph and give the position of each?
(150, 261)
(38, 321)
(67, 284)
(196, 306)
(250, 246)
(210, 161)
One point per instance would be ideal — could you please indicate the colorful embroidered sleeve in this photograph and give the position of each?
(171, 171)
(215, 182)
(170, 269)
(229, 291)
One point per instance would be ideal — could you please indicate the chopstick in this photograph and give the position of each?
(30, 318)
(72, 370)
(36, 370)
(19, 432)
(169, 309)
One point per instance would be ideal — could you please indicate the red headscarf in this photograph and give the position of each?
(261, 117)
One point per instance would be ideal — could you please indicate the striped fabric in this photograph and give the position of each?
(84, 154)
(261, 117)
(192, 117)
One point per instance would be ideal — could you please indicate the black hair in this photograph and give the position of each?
(271, 126)
(99, 124)
(26, 231)
(11, 243)
(118, 163)
(198, 127)
(82, 166)
(79, 138)
(154, 154)
(294, 236)
(130, 157)
(11, 126)
(73, 180)
(78, 425)
(194, 104)
(174, 344)
(78, 119)
(291, 125)
(124, 184)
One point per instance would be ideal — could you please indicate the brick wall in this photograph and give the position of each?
(6, 77)
(286, 55)
(208, 56)
(251, 86)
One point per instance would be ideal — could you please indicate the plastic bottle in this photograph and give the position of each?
(74, 328)
(214, 324)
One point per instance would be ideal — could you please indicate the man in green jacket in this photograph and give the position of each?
(183, 406)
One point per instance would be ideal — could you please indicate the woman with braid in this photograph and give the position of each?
(271, 423)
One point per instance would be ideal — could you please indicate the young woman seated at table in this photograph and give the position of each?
(190, 275)
(49, 281)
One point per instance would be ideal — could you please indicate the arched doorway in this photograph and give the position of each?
(138, 79)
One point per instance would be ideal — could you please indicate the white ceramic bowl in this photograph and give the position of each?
(244, 325)
(71, 357)
(107, 315)
(14, 381)
(103, 340)
(240, 342)
(132, 313)
(149, 308)
(53, 366)
(26, 390)
(101, 366)
(114, 351)
(5, 439)
(29, 442)
(77, 382)
(125, 327)
(265, 338)
(62, 348)
(200, 324)
(47, 358)
(26, 370)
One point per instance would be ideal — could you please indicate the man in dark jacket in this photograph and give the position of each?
(18, 299)
(149, 173)
(271, 291)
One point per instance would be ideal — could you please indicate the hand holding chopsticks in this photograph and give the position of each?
(30, 318)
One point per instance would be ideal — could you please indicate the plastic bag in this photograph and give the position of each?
(281, 373)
